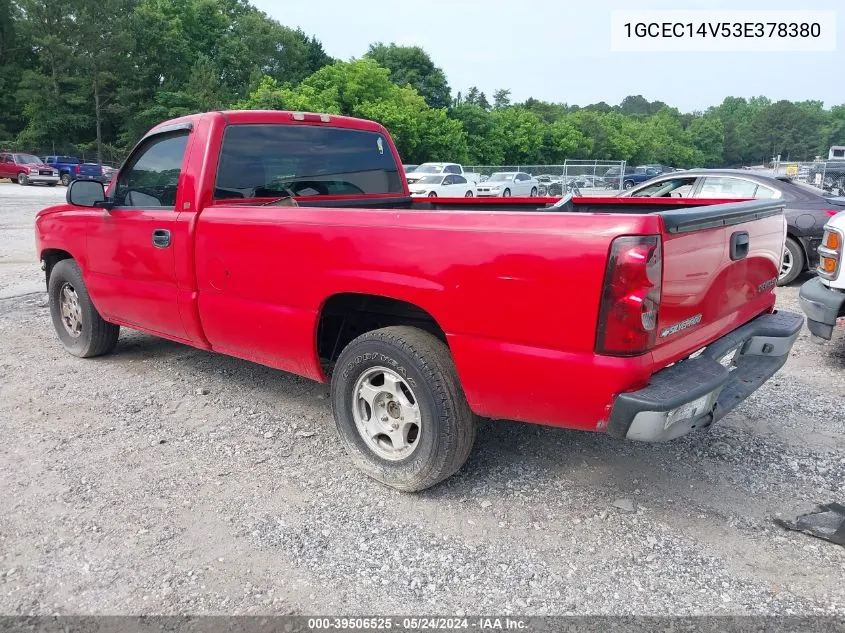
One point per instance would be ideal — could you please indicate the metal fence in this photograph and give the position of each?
(827, 175)
(582, 177)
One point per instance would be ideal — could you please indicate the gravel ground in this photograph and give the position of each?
(167, 480)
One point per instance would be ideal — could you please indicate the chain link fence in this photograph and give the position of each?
(580, 177)
(827, 175)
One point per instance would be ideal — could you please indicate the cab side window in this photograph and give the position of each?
(151, 178)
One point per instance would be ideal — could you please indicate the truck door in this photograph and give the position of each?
(131, 246)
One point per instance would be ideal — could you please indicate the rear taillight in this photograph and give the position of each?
(631, 296)
(831, 212)
(830, 253)
(76, 169)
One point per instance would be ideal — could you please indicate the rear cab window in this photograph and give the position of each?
(272, 161)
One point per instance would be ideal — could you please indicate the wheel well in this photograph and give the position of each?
(51, 257)
(346, 316)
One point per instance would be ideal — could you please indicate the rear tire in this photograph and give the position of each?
(80, 328)
(380, 437)
(66, 180)
(793, 262)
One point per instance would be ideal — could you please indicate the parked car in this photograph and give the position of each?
(26, 169)
(645, 320)
(614, 178)
(807, 208)
(409, 168)
(823, 298)
(440, 168)
(66, 166)
(443, 185)
(509, 183)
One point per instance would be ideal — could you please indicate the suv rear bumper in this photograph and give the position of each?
(696, 392)
(822, 305)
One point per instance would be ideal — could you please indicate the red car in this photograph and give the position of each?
(290, 239)
(26, 169)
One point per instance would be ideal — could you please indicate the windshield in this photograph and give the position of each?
(430, 180)
(501, 177)
(429, 168)
(28, 159)
(266, 161)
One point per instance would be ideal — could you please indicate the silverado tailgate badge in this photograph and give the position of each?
(683, 325)
(766, 285)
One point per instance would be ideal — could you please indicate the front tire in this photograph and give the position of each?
(533, 192)
(793, 262)
(23, 179)
(506, 193)
(80, 328)
(399, 408)
(629, 184)
(433, 194)
(468, 194)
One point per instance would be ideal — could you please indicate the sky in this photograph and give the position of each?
(559, 50)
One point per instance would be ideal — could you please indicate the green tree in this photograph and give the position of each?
(412, 66)
(101, 44)
(707, 135)
(521, 134)
(501, 98)
(362, 88)
(484, 147)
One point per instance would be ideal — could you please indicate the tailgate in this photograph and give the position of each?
(720, 270)
(90, 169)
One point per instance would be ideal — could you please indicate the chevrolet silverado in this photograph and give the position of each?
(290, 239)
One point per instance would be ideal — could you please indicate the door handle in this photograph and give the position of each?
(739, 245)
(161, 238)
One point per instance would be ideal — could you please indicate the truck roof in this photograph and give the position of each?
(257, 117)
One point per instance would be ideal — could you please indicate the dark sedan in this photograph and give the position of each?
(807, 208)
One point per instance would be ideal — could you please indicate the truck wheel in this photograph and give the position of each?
(66, 180)
(399, 408)
(23, 179)
(628, 184)
(792, 263)
(80, 327)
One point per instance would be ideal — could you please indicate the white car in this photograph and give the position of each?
(443, 186)
(509, 183)
(439, 168)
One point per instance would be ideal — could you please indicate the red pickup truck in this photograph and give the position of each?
(290, 239)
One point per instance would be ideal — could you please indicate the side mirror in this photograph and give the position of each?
(87, 193)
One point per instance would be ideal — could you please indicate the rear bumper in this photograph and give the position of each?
(822, 305)
(696, 392)
(88, 177)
